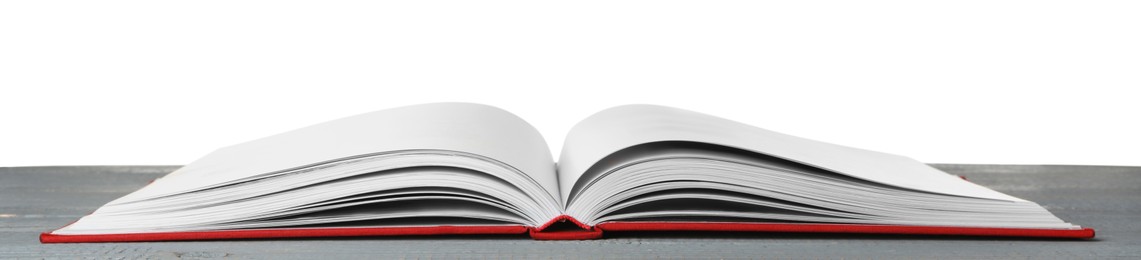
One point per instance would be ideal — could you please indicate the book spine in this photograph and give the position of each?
(565, 227)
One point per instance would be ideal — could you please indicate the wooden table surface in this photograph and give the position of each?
(39, 199)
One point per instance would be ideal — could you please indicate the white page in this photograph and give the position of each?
(472, 128)
(617, 128)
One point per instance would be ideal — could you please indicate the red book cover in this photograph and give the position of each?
(286, 233)
(576, 231)
(845, 228)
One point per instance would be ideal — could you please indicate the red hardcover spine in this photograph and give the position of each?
(580, 231)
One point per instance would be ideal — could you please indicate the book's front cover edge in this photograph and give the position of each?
(49, 237)
(618, 226)
(594, 233)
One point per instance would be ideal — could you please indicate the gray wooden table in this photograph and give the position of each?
(38, 199)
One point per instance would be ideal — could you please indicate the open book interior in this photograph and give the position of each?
(462, 164)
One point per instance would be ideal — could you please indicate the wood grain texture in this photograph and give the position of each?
(38, 199)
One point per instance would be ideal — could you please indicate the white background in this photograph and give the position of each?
(158, 82)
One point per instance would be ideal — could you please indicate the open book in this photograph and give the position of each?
(458, 168)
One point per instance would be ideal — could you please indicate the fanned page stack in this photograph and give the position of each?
(458, 168)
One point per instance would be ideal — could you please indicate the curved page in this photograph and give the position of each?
(464, 127)
(617, 128)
